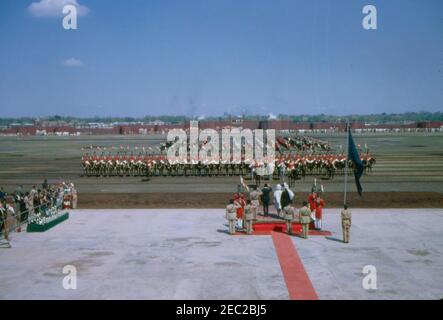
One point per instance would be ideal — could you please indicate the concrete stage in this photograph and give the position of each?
(187, 254)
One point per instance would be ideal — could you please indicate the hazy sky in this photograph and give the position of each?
(207, 57)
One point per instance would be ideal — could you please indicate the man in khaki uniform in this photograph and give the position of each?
(231, 216)
(4, 221)
(289, 218)
(249, 216)
(346, 223)
(255, 201)
(7, 215)
(305, 219)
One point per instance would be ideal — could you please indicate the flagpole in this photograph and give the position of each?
(347, 163)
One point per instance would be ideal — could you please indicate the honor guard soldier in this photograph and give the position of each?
(255, 202)
(289, 218)
(249, 216)
(305, 219)
(312, 200)
(319, 205)
(231, 216)
(346, 223)
(239, 201)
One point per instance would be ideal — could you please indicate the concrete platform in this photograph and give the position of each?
(187, 254)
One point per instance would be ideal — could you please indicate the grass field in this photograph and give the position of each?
(405, 163)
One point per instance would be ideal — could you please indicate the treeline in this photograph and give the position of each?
(369, 118)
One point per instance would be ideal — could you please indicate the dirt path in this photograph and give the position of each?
(219, 200)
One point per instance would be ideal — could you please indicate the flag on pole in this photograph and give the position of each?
(355, 158)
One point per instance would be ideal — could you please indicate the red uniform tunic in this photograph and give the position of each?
(319, 205)
(312, 202)
(240, 199)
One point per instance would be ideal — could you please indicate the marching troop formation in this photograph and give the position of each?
(291, 166)
(295, 159)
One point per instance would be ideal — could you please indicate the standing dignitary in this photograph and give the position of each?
(286, 196)
(346, 223)
(277, 199)
(266, 198)
(305, 219)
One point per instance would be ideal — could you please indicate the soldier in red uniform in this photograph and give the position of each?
(319, 205)
(85, 157)
(312, 201)
(240, 203)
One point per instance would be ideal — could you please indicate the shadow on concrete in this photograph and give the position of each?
(223, 231)
(334, 239)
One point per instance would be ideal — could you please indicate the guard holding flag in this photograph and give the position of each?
(354, 156)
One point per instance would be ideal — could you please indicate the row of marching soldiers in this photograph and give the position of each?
(241, 212)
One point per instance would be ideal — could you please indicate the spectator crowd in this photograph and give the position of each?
(21, 205)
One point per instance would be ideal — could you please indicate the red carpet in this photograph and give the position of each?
(297, 280)
(267, 228)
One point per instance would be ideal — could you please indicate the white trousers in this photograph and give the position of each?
(317, 223)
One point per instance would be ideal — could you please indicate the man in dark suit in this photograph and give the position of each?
(286, 197)
(266, 198)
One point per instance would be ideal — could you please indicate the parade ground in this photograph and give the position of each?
(187, 254)
(406, 162)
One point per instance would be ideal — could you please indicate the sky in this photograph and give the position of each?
(209, 57)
